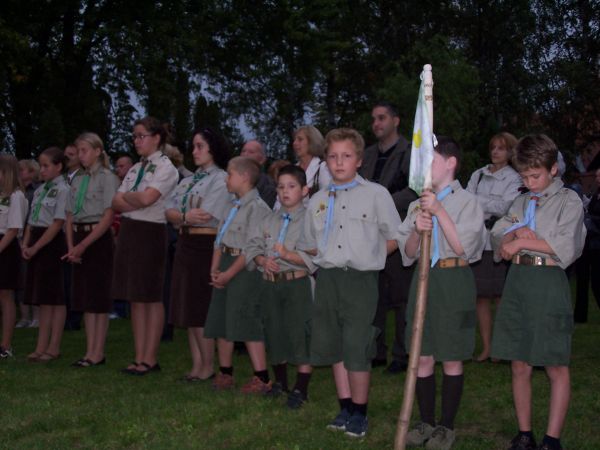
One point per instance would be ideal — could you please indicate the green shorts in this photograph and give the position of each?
(234, 313)
(450, 318)
(534, 322)
(287, 309)
(344, 309)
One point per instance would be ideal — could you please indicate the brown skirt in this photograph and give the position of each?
(140, 257)
(11, 262)
(190, 289)
(91, 278)
(489, 276)
(45, 282)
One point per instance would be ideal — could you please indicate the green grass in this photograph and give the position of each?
(56, 406)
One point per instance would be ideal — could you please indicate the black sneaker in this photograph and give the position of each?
(296, 399)
(547, 447)
(522, 442)
(357, 425)
(275, 391)
(6, 353)
(339, 423)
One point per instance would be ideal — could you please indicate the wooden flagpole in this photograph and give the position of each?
(421, 304)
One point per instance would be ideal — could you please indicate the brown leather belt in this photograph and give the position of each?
(198, 230)
(529, 260)
(285, 276)
(448, 263)
(84, 227)
(231, 251)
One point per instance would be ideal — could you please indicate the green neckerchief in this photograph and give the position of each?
(197, 177)
(140, 175)
(36, 209)
(83, 187)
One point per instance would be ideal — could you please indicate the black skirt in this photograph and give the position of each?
(11, 262)
(44, 283)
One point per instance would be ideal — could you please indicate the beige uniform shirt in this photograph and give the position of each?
(210, 194)
(13, 211)
(252, 211)
(54, 204)
(101, 189)
(495, 192)
(559, 221)
(265, 233)
(364, 219)
(159, 174)
(467, 215)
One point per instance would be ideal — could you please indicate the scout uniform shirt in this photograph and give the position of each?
(160, 174)
(464, 210)
(101, 189)
(252, 211)
(209, 193)
(13, 210)
(364, 218)
(495, 191)
(559, 221)
(265, 234)
(53, 200)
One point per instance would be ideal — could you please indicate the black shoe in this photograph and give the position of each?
(296, 399)
(522, 442)
(146, 368)
(396, 367)
(275, 391)
(377, 362)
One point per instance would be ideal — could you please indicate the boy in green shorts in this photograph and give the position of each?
(541, 234)
(350, 228)
(234, 312)
(455, 219)
(286, 287)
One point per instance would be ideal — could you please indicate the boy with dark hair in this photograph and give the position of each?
(286, 287)
(234, 312)
(541, 234)
(350, 228)
(456, 221)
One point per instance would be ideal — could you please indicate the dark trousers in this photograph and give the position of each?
(587, 268)
(394, 284)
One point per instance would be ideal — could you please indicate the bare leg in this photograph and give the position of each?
(59, 315)
(138, 326)
(426, 366)
(453, 368)
(101, 324)
(225, 351)
(45, 319)
(342, 382)
(90, 332)
(155, 315)
(521, 386)
(484, 317)
(258, 356)
(560, 393)
(195, 352)
(207, 352)
(9, 317)
(359, 386)
(305, 368)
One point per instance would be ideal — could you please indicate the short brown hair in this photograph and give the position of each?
(9, 175)
(535, 151)
(448, 147)
(316, 143)
(246, 166)
(346, 134)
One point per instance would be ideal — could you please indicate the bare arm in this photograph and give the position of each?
(120, 205)
(10, 234)
(46, 238)
(142, 199)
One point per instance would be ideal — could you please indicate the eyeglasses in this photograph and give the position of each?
(140, 136)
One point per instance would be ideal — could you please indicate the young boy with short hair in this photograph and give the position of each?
(541, 234)
(350, 228)
(286, 286)
(234, 312)
(455, 219)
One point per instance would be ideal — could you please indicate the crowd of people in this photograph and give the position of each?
(302, 262)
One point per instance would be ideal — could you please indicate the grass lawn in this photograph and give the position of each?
(56, 406)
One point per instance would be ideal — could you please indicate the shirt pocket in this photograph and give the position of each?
(362, 226)
(49, 202)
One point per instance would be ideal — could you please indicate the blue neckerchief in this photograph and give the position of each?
(529, 220)
(333, 188)
(197, 177)
(228, 221)
(435, 255)
(286, 222)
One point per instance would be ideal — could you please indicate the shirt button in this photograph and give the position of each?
(341, 226)
(339, 246)
(364, 216)
(343, 207)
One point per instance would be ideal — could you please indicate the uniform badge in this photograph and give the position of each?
(5, 201)
(151, 168)
(52, 193)
(321, 208)
(514, 219)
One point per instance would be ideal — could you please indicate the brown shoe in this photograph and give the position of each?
(223, 382)
(256, 386)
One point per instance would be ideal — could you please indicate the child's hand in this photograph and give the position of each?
(29, 252)
(220, 279)
(197, 216)
(423, 221)
(525, 233)
(430, 203)
(509, 249)
(270, 265)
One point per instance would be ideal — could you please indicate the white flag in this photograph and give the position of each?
(423, 142)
